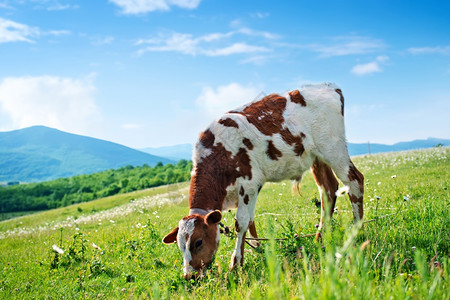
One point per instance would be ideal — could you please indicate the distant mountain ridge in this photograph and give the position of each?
(177, 152)
(184, 151)
(364, 148)
(39, 153)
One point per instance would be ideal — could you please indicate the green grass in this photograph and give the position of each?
(404, 255)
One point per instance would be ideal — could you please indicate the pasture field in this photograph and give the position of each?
(111, 247)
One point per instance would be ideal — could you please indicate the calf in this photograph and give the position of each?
(275, 138)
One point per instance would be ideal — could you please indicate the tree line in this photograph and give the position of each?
(66, 191)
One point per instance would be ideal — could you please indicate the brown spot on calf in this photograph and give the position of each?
(246, 199)
(342, 100)
(267, 114)
(273, 152)
(296, 97)
(247, 143)
(228, 123)
(242, 191)
(207, 139)
(295, 140)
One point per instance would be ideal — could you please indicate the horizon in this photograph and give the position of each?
(156, 73)
(192, 144)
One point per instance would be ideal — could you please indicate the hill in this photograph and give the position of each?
(83, 188)
(40, 153)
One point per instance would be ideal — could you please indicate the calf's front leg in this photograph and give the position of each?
(241, 226)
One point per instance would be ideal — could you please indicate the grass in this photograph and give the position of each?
(112, 247)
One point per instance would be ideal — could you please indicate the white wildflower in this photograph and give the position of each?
(393, 176)
(342, 191)
(95, 246)
(379, 182)
(57, 249)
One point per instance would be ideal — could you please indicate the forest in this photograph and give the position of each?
(66, 191)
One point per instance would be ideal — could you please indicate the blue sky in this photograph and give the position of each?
(147, 73)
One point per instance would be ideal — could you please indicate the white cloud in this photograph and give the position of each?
(235, 49)
(133, 7)
(348, 45)
(371, 67)
(11, 31)
(51, 5)
(64, 103)
(213, 44)
(215, 102)
(100, 41)
(56, 32)
(5, 5)
(260, 15)
(364, 69)
(178, 42)
(258, 60)
(445, 50)
(57, 6)
(258, 33)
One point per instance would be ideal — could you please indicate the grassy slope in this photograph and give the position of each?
(407, 256)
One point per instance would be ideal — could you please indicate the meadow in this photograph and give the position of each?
(111, 247)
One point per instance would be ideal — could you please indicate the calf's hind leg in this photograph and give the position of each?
(354, 179)
(328, 185)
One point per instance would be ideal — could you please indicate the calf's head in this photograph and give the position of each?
(197, 237)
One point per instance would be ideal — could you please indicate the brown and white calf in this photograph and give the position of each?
(275, 138)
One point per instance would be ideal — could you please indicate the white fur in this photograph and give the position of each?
(185, 228)
(355, 208)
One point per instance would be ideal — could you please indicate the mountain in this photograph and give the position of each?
(182, 151)
(40, 153)
(363, 148)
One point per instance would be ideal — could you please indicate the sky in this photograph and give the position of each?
(151, 73)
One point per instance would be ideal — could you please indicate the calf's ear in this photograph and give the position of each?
(171, 237)
(213, 217)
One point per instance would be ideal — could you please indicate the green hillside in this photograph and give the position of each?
(112, 247)
(82, 188)
(40, 153)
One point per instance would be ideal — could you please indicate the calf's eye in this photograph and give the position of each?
(198, 243)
